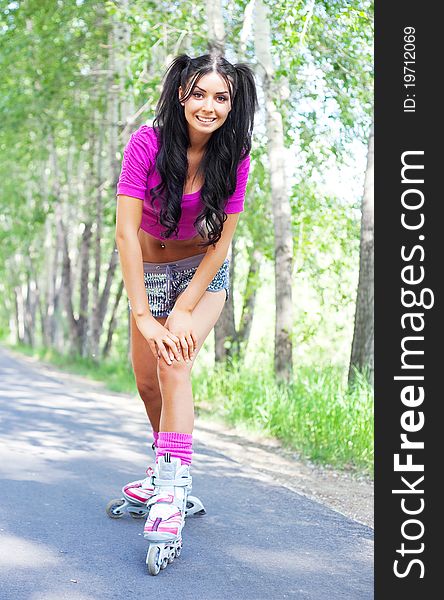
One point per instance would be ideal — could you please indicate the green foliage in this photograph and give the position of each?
(56, 81)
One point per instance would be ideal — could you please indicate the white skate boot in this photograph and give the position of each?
(167, 512)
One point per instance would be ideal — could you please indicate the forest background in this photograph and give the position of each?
(292, 354)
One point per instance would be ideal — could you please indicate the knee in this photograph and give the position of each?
(148, 389)
(178, 370)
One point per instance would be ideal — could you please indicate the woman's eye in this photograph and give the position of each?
(197, 94)
(222, 98)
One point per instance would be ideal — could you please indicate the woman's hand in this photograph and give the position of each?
(162, 342)
(179, 323)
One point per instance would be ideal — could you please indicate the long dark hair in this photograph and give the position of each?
(228, 145)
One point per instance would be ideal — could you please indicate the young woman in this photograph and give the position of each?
(180, 192)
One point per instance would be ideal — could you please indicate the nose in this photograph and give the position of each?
(208, 104)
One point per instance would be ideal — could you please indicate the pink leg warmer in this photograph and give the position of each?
(179, 445)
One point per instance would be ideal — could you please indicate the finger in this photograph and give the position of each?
(184, 345)
(194, 341)
(153, 349)
(163, 352)
(172, 336)
(172, 348)
(175, 340)
(190, 345)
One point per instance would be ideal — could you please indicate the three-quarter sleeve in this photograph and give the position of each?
(235, 203)
(138, 159)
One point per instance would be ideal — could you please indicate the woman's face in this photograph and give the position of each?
(208, 106)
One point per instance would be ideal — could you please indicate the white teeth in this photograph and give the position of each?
(205, 120)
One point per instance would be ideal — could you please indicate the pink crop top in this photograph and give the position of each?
(139, 175)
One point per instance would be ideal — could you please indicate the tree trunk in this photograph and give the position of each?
(67, 293)
(225, 336)
(216, 29)
(283, 239)
(95, 320)
(112, 321)
(27, 317)
(120, 108)
(55, 326)
(253, 284)
(65, 283)
(19, 314)
(82, 322)
(31, 302)
(363, 336)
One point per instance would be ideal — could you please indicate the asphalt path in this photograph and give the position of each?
(66, 450)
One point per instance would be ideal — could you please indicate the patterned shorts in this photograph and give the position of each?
(164, 282)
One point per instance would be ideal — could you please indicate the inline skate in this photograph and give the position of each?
(167, 512)
(137, 493)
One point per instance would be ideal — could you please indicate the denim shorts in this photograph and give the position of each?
(164, 282)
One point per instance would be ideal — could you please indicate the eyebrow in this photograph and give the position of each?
(202, 90)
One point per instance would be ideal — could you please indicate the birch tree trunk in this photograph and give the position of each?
(363, 336)
(225, 328)
(120, 109)
(62, 239)
(283, 240)
(29, 310)
(216, 29)
(112, 321)
(55, 325)
(225, 336)
(19, 317)
(82, 323)
(50, 292)
(95, 320)
(252, 285)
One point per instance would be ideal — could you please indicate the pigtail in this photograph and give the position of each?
(169, 109)
(171, 130)
(245, 104)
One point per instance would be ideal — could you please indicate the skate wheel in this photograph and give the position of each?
(153, 560)
(114, 505)
(178, 551)
(137, 515)
(164, 563)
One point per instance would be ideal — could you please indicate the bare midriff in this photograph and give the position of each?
(158, 251)
(161, 251)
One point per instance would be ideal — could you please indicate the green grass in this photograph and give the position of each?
(316, 415)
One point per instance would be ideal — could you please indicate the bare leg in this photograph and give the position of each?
(175, 379)
(145, 372)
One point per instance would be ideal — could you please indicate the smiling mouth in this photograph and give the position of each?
(205, 120)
